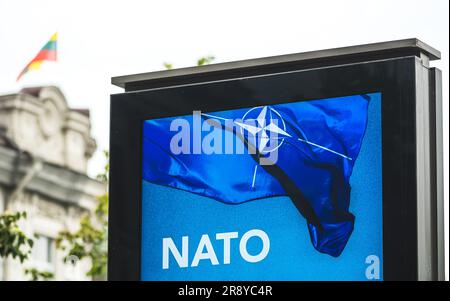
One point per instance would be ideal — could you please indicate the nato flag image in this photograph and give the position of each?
(171, 210)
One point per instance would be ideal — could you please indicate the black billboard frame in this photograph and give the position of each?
(405, 82)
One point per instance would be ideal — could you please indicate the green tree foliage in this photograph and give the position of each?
(90, 240)
(37, 275)
(13, 242)
(168, 66)
(204, 60)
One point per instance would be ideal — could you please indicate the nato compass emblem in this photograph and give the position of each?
(265, 124)
(267, 128)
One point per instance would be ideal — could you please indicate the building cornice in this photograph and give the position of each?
(52, 181)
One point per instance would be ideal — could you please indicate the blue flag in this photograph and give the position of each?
(304, 150)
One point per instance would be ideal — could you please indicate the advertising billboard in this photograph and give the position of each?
(298, 167)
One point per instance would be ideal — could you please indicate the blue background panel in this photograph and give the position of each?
(168, 212)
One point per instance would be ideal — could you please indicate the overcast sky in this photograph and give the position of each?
(100, 39)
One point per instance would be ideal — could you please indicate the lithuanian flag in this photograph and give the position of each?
(47, 53)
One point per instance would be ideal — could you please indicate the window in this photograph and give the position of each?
(1, 202)
(1, 211)
(44, 252)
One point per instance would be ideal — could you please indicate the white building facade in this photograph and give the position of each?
(44, 150)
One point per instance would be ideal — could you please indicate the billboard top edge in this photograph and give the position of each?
(318, 58)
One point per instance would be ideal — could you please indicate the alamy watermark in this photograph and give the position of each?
(208, 134)
(373, 267)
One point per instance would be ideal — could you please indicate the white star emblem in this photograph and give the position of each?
(264, 127)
